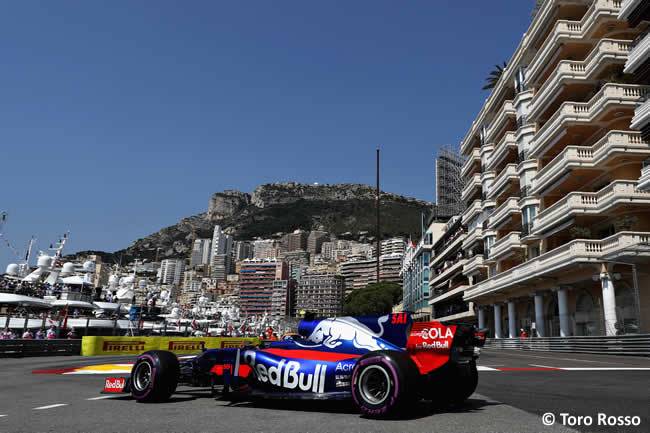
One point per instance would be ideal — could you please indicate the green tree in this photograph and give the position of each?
(373, 299)
(493, 77)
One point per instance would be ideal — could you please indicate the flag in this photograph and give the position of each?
(193, 324)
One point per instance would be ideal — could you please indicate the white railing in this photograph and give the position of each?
(644, 180)
(619, 94)
(507, 144)
(472, 236)
(576, 70)
(508, 174)
(472, 210)
(473, 182)
(506, 110)
(589, 203)
(508, 207)
(474, 158)
(611, 145)
(565, 29)
(504, 245)
(473, 265)
(639, 54)
(641, 115)
(576, 251)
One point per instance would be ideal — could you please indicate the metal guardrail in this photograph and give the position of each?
(633, 344)
(51, 347)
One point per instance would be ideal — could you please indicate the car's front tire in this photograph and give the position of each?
(154, 376)
(384, 383)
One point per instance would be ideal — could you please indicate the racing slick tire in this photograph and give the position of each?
(465, 380)
(154, 376)
(384, 383)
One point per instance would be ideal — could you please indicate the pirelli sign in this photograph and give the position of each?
(124, 346)
(179, 345)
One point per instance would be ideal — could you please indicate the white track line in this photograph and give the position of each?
(51, 406)
(483, 368)
(3, 415)
(102, 397)
(542, 366)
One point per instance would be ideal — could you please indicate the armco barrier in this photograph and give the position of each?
(135, 345)
(633, 344)
(21, 347)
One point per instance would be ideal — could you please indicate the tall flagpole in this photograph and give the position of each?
(378, 232)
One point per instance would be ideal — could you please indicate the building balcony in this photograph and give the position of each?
(474, 265)
(465, 315)
(447, 273)
(507, 180)
(556, 262)
(568, 72)
(589, 203)
(639, 53)
(504, 247)
(471, 164)
(458, 291)
(641, 118)
(472, 211)
(505, 115)
(644, 180)
(505, 147)
(473, 236)
(504, 212)
(609, 98)
(450, 248)
(565, 32)
(472, 186)
(597, 157)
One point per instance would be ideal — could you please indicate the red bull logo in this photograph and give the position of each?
(114, 384)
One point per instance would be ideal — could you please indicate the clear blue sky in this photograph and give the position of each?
(119, 118)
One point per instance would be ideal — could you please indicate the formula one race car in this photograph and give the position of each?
(383, 363)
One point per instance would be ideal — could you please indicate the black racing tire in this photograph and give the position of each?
(466, 380)
(154, 376)
(385, 383)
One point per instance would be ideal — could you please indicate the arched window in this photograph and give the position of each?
(626, 309)
(587, 317)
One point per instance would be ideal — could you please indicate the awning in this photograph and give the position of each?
(25, 301)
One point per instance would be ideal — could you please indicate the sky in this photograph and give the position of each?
(119, 118)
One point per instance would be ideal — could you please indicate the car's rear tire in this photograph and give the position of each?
(466, 380)
(384, 383)
(154, 376)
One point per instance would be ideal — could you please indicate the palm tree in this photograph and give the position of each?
(494, 76)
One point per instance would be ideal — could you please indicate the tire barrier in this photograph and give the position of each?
(631, 344)
(91, 346)
(51, 347)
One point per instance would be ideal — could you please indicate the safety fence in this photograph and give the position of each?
(50, 347)
(631, 344)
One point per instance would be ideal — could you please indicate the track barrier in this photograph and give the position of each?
(51, 347)
(91, 346)
(631, 344)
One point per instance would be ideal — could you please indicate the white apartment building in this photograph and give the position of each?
(201, 252)
(220, 257)
(557, 229)
(172, 272)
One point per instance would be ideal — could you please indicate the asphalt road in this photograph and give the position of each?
(510, 398)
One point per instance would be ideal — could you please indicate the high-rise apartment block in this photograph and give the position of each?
(297, 240)
(221, 257)
(315, 241)
(556, 216)
(201, 252)
(266, 249)
(320, 293)
(172, 271)
(256, 280)
(283, 299)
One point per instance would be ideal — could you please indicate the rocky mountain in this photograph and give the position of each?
(347, 210)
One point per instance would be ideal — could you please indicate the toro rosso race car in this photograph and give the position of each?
(382, 363)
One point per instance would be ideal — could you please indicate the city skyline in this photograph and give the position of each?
(124, 132)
